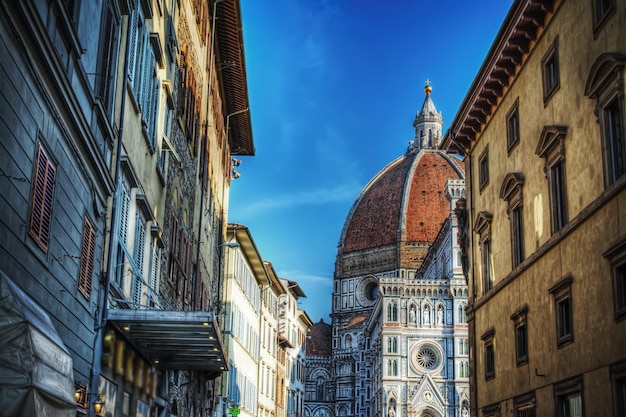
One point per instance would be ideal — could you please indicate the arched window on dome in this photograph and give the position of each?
(392, 311)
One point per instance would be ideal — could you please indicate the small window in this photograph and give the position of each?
(525, 405)
(491, 410)
(483, 169)
(489, 354)
(602, 10)
(392, 312)
(618, 382)
(483, 229)
(42, 199)
(551, 146)
(87, 259)
(550, 71)
(562, 294)
(512, 126)
(603, 83)
(617, 258)
(521, 335)
(511, 192)
(568, 398)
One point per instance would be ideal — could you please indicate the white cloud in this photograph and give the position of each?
(341, 193)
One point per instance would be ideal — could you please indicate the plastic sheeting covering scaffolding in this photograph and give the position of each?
(36, 372)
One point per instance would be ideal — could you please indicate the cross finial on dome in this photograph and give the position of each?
(427, 88)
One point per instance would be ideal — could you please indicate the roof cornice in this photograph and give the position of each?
(516, 38)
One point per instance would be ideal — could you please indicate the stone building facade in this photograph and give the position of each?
(542, 131)
(118, 140)
(398, 338)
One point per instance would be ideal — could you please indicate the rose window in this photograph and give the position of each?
(426, 358)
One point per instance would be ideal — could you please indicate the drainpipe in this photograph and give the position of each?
(104, 299)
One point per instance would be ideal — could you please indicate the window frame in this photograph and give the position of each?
(512, 126)
(489, 354)
(520, 324)
(564, 390)
(562, 294)
(616, 255)
(550, 71)
(512, 192)
(524, 406)
(483, 229)
(483, 169)
(87, 259)
(618, 387)
(605, 84)
(42, 198)
(599, 20)
(551, 147)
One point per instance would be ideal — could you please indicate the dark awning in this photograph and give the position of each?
(176, 340)
(36, 371)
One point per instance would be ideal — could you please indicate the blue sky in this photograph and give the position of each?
(334, 87)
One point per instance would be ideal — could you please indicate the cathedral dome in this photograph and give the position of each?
(319, 340)
(399, 213)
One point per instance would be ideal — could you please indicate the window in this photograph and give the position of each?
(521, 335)
(462, 313)
(483, 168)
(603, 83)
(122, 239)
(392, 367)
(87, 255)
(618, 382)
(42, 199)
(489, 353)
(142, 75)
(602, 10)
(550, 71)
(525, 405)
(561, 291)
(392, 345)
(105, 81)
(617, 258)
(491, 410)
(512, 126)
(568, 398)
(392, 311)
(483, 229)
(511, 192)
(551, 146)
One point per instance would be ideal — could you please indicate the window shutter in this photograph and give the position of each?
(42, 199)
(106, 58)
(133, 27)
(124, 207)
(87, 259)
(140, 244)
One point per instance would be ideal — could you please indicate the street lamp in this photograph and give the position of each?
(232, 245)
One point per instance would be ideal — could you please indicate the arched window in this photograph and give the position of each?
(392, 311)
(392, 345)
(462, 314)
(348, 341)
(320, 388)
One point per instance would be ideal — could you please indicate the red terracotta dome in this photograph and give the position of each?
(401, 209)
(319, 340)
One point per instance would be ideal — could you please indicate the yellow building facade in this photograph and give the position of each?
(542, 131)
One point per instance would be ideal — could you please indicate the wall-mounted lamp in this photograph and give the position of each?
(82, 398)
(234, 174)
(98, 405)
